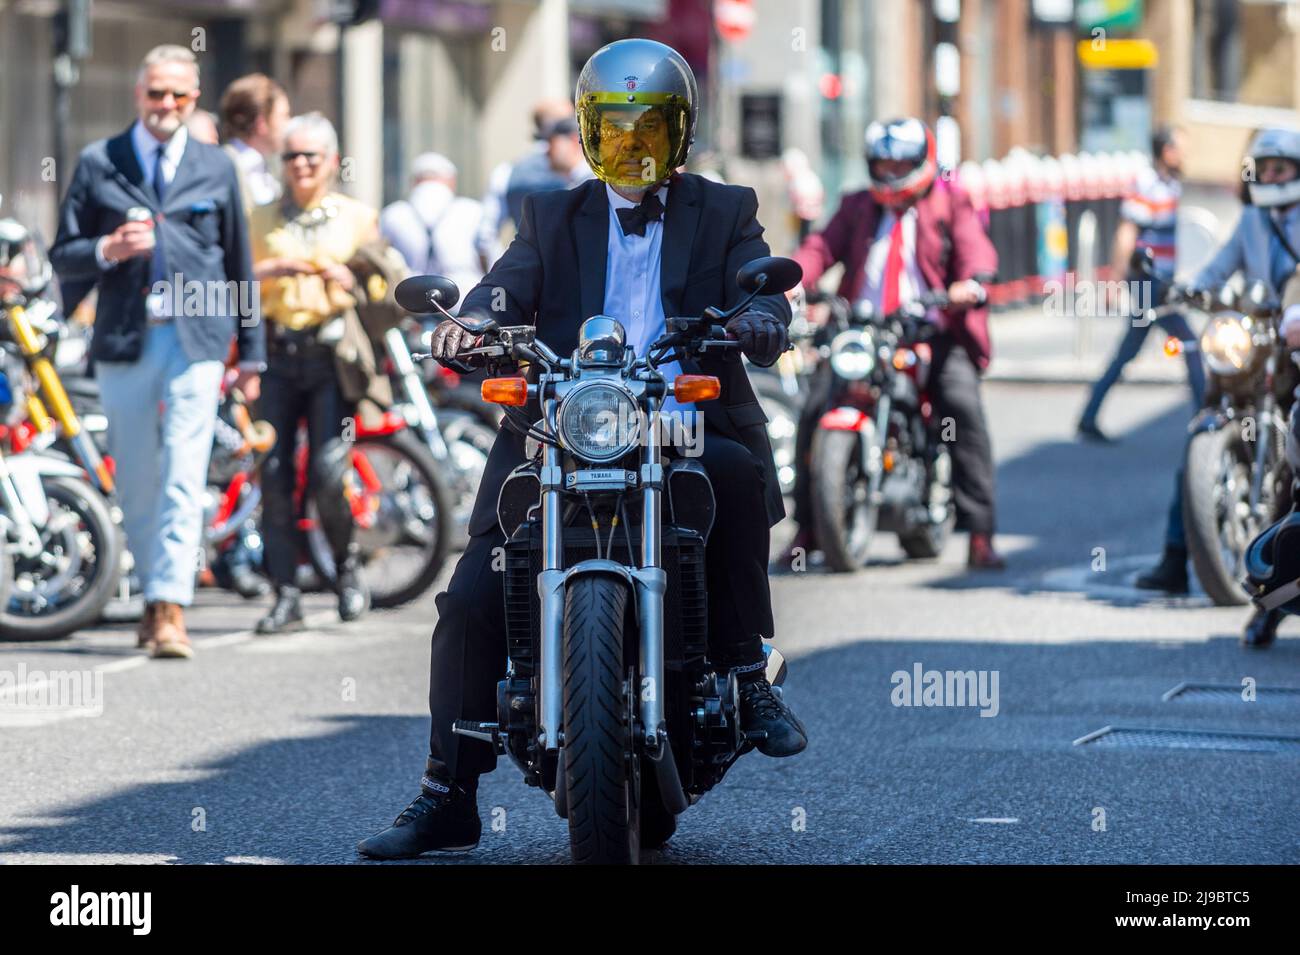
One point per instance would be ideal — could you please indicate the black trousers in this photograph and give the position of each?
(955, 391)
(468, 650)
(299, 383)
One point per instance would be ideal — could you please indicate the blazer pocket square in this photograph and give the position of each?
(205, 205)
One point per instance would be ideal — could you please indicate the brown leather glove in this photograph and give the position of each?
(449, 340)
(761, 336)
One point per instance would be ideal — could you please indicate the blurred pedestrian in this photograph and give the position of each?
(203, 127)
(1148, 221)
(510, 182)
(254, 111)
(433, 228)
(300, 247)
(804, 188)
(149, 354)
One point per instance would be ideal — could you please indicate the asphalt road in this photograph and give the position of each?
(289, 749)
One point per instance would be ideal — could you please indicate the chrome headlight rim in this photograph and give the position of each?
(853, 355)
(572, 442)
(1215, 357)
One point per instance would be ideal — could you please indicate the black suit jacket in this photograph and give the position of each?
(204, 236)
(553, 276)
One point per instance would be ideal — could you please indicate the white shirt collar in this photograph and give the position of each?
(146, 145)
(618, 202)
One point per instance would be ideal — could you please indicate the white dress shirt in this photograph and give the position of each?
(632, 288)
(263, 187)
(911, 284)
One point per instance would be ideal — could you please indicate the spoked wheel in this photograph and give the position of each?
(1217, 517)
(601, 771)
(843, 512)
(403, 522)
(64, 588)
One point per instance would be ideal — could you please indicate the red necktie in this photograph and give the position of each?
(893, 267)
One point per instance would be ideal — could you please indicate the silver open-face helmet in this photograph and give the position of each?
(637, 105)
(1275, 143)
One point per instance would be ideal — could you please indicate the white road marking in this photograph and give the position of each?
(1003, 820)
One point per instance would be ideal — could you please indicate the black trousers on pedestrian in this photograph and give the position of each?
(955, 391)
(300, 383)
(468, 651)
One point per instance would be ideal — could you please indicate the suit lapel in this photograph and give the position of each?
(680, 220)
(126, 169)
(591, 234)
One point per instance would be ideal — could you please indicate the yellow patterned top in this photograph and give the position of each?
(326, 233)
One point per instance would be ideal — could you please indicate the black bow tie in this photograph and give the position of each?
(634, 219)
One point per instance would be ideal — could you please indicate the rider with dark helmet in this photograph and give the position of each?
(638, 243)
(911, 231)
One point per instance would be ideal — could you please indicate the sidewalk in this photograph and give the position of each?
(1031, 345)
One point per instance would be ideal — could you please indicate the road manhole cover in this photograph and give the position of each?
(1189, 692)
(1148, 737)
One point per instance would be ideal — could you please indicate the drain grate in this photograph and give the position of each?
(1229, 693)
(1147, 737)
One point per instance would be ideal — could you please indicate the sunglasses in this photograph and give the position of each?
(312, 158)
(160, 95)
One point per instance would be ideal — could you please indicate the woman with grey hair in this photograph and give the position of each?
(300, 247)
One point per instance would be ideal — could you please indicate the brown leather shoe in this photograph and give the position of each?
(982, 555)
(144, 634)
(170, 639)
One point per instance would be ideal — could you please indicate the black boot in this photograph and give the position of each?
(766, 715)
(286, 615)
(354, 595)
(1170, 575)
(1261, 631)
(443, 818)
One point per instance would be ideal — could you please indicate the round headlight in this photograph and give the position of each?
(1227, 344)
(599, 422)
(853, 355)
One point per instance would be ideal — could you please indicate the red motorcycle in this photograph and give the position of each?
(398, 499)
(878, 457)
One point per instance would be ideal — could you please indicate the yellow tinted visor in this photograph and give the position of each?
(633, 139)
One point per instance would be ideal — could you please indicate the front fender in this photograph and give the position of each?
(1208, 419)
(844, 418)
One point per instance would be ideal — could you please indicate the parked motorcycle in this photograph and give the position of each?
(878, 459)
(610, 703)
(59, 530)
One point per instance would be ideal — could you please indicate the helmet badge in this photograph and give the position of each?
(631, 82)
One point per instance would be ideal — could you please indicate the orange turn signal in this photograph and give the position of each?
(1173, 347)
(687, 388)
(505, 391)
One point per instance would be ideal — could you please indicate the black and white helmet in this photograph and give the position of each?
(1277, 143)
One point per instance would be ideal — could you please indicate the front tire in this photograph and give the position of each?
(66, 588)
(1216, 505)
(598, 750)
(843, 514)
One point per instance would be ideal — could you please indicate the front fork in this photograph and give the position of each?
(416, 395)
(650, 581)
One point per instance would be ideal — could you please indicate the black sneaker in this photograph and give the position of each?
(1089, 431)
(1261, 631)
(443, 818)
(766, 715)
(1170, 575)
(286, 615)
(354, 596)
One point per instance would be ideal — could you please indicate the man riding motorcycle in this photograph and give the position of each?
(909, 232)
(1264, 247)
(638, 243)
